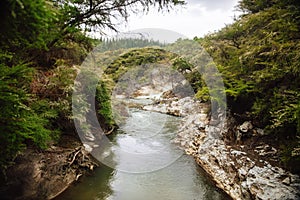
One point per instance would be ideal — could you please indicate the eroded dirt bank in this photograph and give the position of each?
(45, 174)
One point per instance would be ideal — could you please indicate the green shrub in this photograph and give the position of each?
(103, 106)
(20, 123)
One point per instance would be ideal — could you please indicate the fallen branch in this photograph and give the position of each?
(109, 132)
(74, 157)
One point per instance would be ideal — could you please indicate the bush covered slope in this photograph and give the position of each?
(258, 56)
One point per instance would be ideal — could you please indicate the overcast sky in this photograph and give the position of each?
(197, 18)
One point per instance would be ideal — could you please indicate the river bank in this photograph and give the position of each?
(144, 164)
(46, 174)
(242, 171)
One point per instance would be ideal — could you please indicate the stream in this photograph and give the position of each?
(147, 166)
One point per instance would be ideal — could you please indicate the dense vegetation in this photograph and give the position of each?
(41, 42)
(126, 43)
(258, 56)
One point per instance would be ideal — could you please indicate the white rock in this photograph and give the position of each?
(237, 153)
(245, 127)
(260, 131)
(286, 181)
(242, 172)
(88, 148)
(223, 164)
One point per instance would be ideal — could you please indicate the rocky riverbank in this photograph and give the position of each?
(242, 171)
(45, 174)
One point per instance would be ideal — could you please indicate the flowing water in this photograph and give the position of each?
(147, 166)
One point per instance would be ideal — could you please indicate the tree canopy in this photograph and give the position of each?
(99, 13)
(42, 24)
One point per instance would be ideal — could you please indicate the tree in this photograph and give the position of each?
(30, 26)
(255, 6)
(99, 13)
(92, 15)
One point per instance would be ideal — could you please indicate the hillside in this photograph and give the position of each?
(258, 56)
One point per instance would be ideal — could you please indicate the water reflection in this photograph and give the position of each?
(133, 148)
(94, 186)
